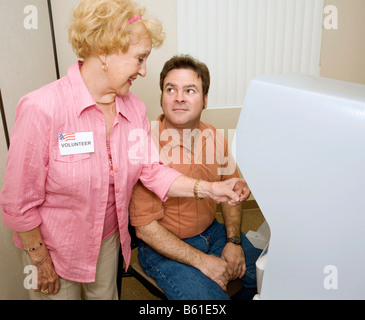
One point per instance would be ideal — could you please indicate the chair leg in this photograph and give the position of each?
(150, 287)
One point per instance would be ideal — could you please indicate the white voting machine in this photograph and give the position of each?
(300, 143)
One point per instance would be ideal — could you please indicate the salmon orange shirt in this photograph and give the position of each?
(201, 154)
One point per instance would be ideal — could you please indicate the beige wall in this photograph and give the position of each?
(11, 276)
(62, 12)
(26, 63)
(343, 50)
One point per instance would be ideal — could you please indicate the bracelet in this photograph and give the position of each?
(34, 248)
(196, 190)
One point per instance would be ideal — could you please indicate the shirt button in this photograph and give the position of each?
(119, 209)
(116, 190)
(115, 170)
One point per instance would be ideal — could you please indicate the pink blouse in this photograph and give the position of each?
(111, 218)
(67, 196)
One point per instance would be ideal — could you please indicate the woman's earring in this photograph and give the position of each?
(104, 66)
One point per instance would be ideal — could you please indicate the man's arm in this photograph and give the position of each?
(172, 247)
(233, 253)
(232, 215)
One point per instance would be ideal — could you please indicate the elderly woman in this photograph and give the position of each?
(72, 163)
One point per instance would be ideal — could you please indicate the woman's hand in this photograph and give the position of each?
(233, 191)
(48, 279)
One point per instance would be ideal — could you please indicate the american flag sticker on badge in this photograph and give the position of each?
(67, 136)
(76, 143)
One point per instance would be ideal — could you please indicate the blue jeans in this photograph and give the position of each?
(184, 282)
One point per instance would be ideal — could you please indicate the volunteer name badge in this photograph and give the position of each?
(76, 143)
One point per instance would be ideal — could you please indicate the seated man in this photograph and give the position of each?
(189, 254)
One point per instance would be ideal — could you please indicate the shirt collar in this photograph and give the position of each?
(175, 142)
(81, 94)
(124, 105)
(83, 98)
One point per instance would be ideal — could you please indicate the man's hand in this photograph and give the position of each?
(235, 258)
(216, 269)
(169, 245)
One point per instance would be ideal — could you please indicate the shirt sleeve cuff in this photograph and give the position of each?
(143, 221)
(22, 223)
(162, 193)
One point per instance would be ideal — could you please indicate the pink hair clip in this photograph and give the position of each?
(134, 19)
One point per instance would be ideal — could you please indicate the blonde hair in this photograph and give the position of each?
(101, 26)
